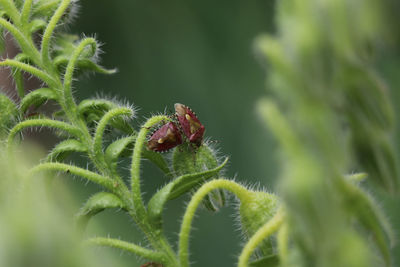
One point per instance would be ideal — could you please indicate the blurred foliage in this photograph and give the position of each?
(36, 226)
(331, 112)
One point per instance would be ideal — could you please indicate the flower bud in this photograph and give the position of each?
(189, 159)
(256, 210)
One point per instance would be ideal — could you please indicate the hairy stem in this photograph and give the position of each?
(24, 42)
(136, 158)
(89, 175)
(97, 147)
(42, 123)
(283, 243)
(68, 97)
(240, 191)
(25, 14)
(30, 69)
(264, 232)
(135, 249)
(45, 55)
(11, 10)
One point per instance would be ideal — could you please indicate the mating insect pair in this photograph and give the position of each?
(169, 135)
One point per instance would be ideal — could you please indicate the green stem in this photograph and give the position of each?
(11, 10)
(135, 166)
(135, 249)
(19, 83)
(26, 9)
(283, 243)
(263, 233)
(25, 43)
(89, 175)
(68, 98)
(49, 32)
(97, 147)
(42, 123)
(32, 70)
(240, 191)
(139, 212)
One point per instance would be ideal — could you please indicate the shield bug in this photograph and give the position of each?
(165, 138)
(190, 124)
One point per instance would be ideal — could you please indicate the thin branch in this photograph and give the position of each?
(263, 233)
(127, 246)
(105, 120)
(69, 101)
(49, 31)
(240, 191)
(32, 70)
(136, 158)
(26, 45)
(89, 175)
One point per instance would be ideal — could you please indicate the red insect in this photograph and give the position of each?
(190, 124)
(165, 138)
(152, 264)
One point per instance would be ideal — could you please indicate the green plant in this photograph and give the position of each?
(321, 214)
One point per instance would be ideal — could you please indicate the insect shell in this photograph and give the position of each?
(152, 264)
(190, 124)
(165, 138)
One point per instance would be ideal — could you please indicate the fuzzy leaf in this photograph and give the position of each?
(371, 218)
(176, 188)
(91, 110)
(123, 148)
(86, 64)
(158, 160)
(37, 98)
(269, 261)
(44, 8)
(82, 65)
(63, 149)
(65, 46)
(184, 162)
(117, 149)
(37, 24)
(96, 204)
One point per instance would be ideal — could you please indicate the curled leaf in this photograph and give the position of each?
(96, 204)
(63, 149)
(37, 98)
(269, 261)
(158, 160)
(117, 149)
(176, 188)
(36, 25)
(123, 148)
(91, 110)
(82, 65)
(186, 161)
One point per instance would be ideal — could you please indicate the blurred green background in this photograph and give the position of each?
(198, 53)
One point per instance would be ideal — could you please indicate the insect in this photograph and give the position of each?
(166, 137)
(190, 124)
(170, 134)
